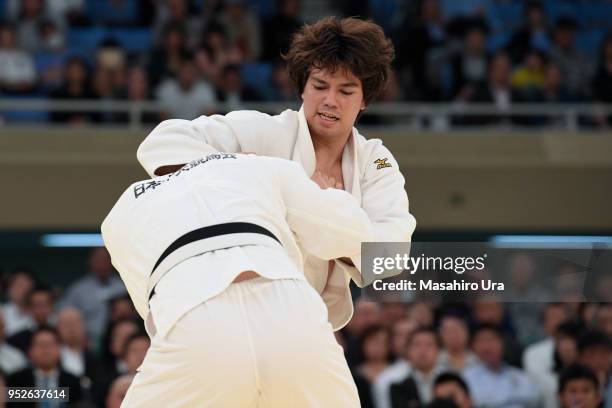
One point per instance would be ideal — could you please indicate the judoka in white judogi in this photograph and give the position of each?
(183, 238)
(371, 174)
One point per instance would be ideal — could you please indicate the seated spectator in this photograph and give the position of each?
(186, 97)
(15, 310)
(410, 381)
(31, 17)
(376, 353)
(278, 29)
(137, 91)
(46, 372)
(578, 387)
(166, 59)
(135, 350)
(51, 39)
(17, 71)
(455, 355)
(595, 352)
(120, 308)
(177, 11)
(470, 65)
(602, 81)
(496, 90)
(117, 391)
(529, 77)
(91, 293)
(232, 91)
(422, 313)
(242, 28)
(75, 86)
(533, 35)
(401, 331)
(40, 305)
(576, 67)
(423, 355)
(451, 386)
(603, 318)
(366, 314)
(281, 88)
(539, 357)
(414, 40)
(11, 358)
(491, 311)
(493, 382)
(75, 355)
(216, 51)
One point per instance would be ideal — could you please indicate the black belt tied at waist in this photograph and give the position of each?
(204, 233)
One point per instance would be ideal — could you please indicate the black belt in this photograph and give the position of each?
(209, 232)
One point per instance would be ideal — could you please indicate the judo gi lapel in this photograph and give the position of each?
(303, 151)
(350, 167)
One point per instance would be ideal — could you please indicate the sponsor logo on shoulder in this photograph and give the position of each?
(382, 163)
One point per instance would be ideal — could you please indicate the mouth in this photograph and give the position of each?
(328, 117)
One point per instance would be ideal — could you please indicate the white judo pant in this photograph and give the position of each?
(260, 343)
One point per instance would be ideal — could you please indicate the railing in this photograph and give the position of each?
(417, 116)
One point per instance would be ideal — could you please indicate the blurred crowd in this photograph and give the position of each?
(191, 55)
(483, 353)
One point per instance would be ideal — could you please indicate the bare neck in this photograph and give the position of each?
(328, 152)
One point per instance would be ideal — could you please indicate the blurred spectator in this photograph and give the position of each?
(565, 354)
(491, 311)
(540, 356)
(413, 42)
(401, 331)
(578, 387)
(527, 312)
(118, 390)
(242, 28)
(31, 17)
(595, 352)
(603, 318)
(15, 310)
(135, 350)
(496, 90)
(602, 82)
(455, 337)
(75, 86)
(109, 82)
(166, 59)
(410, 381)
(121, 307)
(576, 67)
(470, 65)
(422, 313)
(423, 356)
(186, 97)
(75, 355)
(278, 29)
(533, 35)
(51, 38)
(216, 51)
(366, 314)
(232, 91)
(61, 11)
(530, 76)
(376, 353)
(91, 293)
(40, 307)
(177, 11)
(451, 386)
(492, 382)
(11, 358)
(554, 90)
(138, 91)
(46, 372)
(17, 71)
(281, 88)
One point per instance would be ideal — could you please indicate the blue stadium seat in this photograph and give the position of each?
(560, 8)
(110, 12)
(382, 12)
(498, 40)
(133, 39)
(3, 6)
(263, 8)
(85, 40)
(505, 16)
(257, 76)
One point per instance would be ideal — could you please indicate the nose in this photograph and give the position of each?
(330, 99)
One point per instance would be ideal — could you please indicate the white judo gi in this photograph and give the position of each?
(371, 174)
(265, 342)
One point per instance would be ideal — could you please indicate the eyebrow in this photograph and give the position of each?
(344, 84)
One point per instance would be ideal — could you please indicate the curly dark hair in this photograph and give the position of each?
(358, 46)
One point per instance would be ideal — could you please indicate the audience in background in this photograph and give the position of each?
(15, 310)
(11, 358)
(40, 303)
(17, 70)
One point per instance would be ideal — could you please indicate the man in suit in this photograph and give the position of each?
(45, 373)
